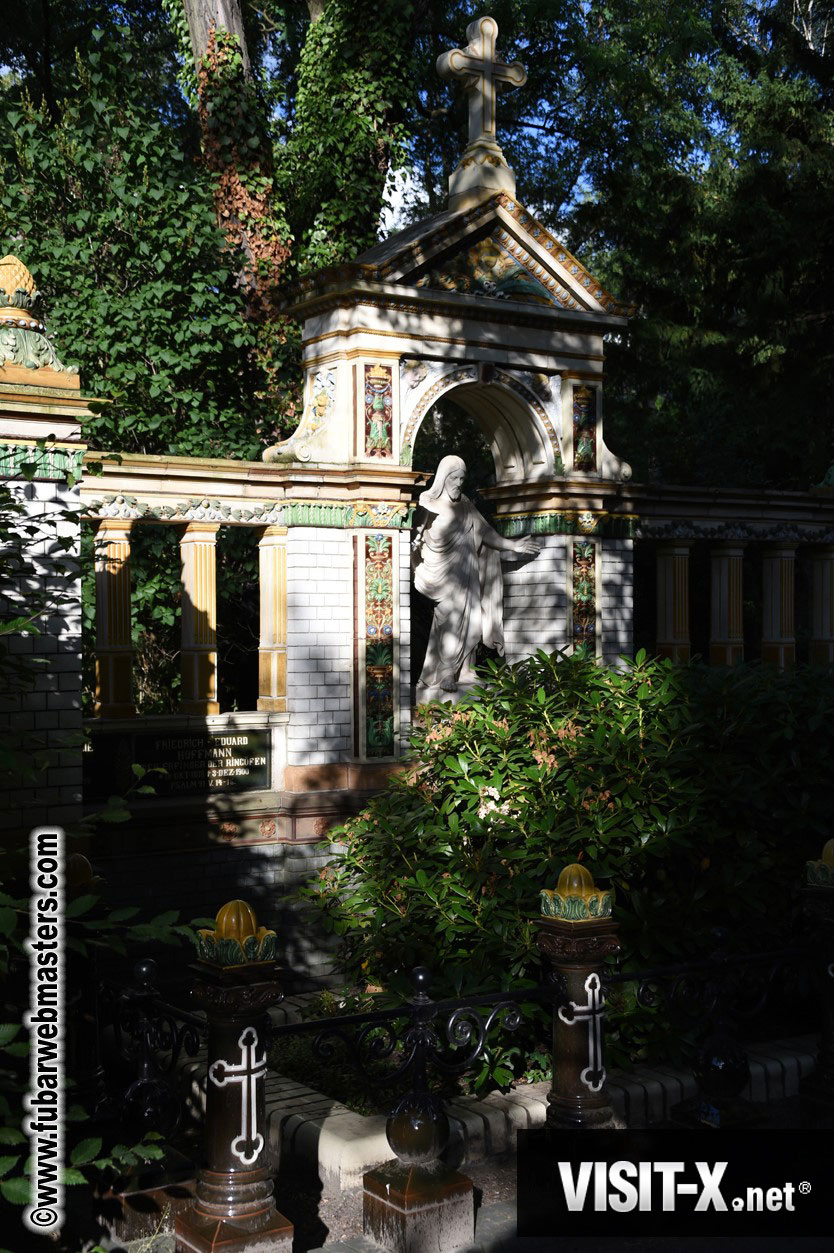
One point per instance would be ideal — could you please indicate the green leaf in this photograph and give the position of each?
(85, 1151)
(81, 905)
(16, 1191)
(72, 1178)
(123, 914)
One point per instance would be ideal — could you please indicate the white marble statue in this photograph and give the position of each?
(455, 555)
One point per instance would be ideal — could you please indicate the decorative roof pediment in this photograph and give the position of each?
(488, 267)
(499, 251)
(495, 251)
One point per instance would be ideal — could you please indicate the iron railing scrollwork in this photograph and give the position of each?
(717, 999)
(150, 1036)
(412, 1040)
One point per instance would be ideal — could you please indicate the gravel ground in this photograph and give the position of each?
(320, 1218)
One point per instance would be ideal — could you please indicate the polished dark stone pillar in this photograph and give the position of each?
(575, 946)
(234, 1208)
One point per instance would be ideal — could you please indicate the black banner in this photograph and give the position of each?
(675, 1183)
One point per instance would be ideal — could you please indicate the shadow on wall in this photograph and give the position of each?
(198, 878)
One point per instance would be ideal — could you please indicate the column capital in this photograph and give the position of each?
(115, 526)
(780, 548)
(728, 547)
(205, 531)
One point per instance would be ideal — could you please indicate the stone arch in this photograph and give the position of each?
(521, 426)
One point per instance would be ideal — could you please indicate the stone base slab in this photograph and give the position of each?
(418, 1210)
(219, 1235)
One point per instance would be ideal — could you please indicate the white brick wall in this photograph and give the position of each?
(616, 599)
(536, 601)
(319, 645)
(46, 716)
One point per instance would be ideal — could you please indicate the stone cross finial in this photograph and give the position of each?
(483, 74)
(482, 170)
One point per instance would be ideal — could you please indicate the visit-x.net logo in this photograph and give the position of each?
(674, 1183)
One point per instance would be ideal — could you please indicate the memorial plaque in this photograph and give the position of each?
(193, 762)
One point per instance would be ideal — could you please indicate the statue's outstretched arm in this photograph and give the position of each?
(526, 546)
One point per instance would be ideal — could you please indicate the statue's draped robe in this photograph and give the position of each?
(463, 577)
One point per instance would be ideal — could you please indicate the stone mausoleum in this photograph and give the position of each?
(481, 304)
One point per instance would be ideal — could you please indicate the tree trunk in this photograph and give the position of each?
(222, 14)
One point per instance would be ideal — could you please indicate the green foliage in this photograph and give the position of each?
(684, 152)
(712, 180)
(353, 89)
(689, 791)
(118, 225)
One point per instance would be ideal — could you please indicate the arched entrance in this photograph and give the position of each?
(517, 413)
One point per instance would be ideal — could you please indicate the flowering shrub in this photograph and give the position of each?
(696, 794)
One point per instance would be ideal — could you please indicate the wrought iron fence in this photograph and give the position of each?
(405, 1047)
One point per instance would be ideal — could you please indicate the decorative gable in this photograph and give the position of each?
(497, 251)
(488, 268)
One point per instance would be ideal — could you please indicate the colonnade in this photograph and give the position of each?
(726, 642)
(198, 651)
(198, 542)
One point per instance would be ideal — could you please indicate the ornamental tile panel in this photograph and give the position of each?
(379, 411)
(379, 646)
(584, 597)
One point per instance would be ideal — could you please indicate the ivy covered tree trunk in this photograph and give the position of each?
(205, 16)
(237, 150)
(357, 83)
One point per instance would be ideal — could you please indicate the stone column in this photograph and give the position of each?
(199, 619)
(576, 934)
(821, 647)
(114, 654)
(673, 601)
(778, 642)
(272, 652)
(726, 638)
(236, 981)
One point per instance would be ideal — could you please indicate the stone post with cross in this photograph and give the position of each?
(482, 170)
(576, 933)
(236, 980)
